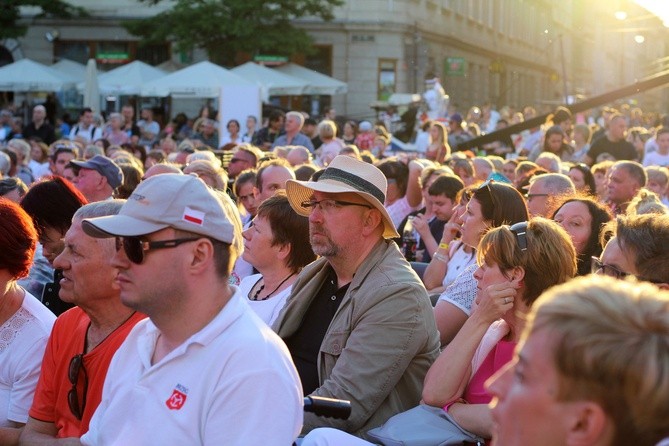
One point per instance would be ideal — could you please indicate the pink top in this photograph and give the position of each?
(498, 357)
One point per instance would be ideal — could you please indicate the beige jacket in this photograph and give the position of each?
(380, 343)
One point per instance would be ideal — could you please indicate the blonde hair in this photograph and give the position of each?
(327, 129)
(610, 345)
(646, 202)
(658, 174)
(209, 169)
(21, 146)
(550, 257)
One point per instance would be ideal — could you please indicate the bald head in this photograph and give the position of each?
(158, 169)
(272, 178)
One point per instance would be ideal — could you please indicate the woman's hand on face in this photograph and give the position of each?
(496, 300)
(451, 229)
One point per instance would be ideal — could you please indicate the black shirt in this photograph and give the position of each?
(46, 132)
(305, 343)
(620, 150)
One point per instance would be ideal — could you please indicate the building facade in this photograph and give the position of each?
(506, 52)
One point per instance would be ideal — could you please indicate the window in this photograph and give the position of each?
(387, 78)
(75, 51)
(153, 54)
(111, 54)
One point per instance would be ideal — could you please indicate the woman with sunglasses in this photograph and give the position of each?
(516, 264)
(583, 218)
(491, 205)
(25, 323)
(277, 245)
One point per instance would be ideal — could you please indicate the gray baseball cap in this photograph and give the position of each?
(104, 166)
(181, 202)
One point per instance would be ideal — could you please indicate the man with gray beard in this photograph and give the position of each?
(359, 323)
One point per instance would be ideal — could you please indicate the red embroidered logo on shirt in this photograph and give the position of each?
(178, 398)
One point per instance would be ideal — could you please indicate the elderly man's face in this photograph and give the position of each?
(87, 273)
(328, 236)
(88, 181)
(621, 186)
(292, 124)
(537, 199)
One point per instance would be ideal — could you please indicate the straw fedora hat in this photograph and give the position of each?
(345, 174)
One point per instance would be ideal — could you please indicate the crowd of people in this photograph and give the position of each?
(161, 288)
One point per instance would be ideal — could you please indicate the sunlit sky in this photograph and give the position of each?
(658, 7)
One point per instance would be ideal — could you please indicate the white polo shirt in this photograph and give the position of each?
(232, 383)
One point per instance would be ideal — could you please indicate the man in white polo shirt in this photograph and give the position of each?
(204, 369)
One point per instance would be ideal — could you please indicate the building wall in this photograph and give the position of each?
(515, 52)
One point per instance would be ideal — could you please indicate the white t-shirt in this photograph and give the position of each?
(23, 339)
(422, 141)
(39, 170)
(655, 159)
(269, 309)
(458, 262)
(88, 134)
(231, 383)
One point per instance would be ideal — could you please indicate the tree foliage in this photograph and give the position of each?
(225, 27)
(10, 14)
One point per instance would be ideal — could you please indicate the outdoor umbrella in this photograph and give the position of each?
(91, 87)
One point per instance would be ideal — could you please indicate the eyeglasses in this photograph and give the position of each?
(520, 231)
(76, 366)
(135, 247)
(328, 205)
(598, 267)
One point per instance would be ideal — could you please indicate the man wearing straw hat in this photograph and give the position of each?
(359, 323)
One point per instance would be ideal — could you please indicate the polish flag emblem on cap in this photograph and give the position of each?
(193, 216)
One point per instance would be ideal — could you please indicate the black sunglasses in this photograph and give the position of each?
(134, 247)
(76, 366)
(486, 186)
(520, 231)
